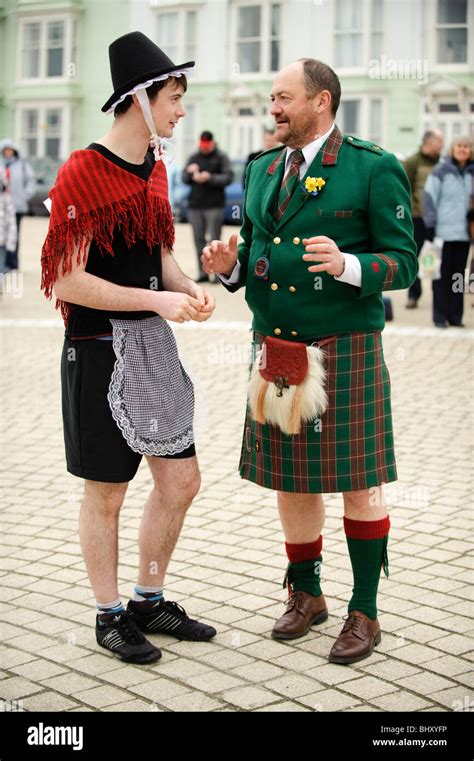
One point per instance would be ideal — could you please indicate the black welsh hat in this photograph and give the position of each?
(136, 60)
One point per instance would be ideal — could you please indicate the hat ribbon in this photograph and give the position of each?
(163, 150)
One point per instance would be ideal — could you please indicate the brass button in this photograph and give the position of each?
(277, 240)
(274, 287)
(296, 241)
(294, 333)
(277, 331)
(292, 288)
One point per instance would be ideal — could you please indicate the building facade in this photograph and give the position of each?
(404, 65)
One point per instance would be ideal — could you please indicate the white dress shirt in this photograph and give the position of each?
(352, 270)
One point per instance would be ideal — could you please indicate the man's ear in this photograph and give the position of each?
(135, 100)
(324, 101)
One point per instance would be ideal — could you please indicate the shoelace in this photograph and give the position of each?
(176, 607)
(130, 631)
(294, 600)
(351, 622)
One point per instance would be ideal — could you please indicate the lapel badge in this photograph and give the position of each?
(262, 265)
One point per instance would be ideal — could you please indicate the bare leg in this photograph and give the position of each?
(365, 505)
(98, 532)
(302, 516)
(176, 483)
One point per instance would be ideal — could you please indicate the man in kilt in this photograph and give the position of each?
(326, 229)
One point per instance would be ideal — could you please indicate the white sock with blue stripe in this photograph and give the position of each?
(107, 610)
(147, 594)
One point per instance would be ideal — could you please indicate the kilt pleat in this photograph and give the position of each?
(350, 447)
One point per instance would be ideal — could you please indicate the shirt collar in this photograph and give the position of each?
(310, 150)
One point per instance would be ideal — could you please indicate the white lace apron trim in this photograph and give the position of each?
(151, 396)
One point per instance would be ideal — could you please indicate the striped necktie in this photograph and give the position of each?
(289, 183)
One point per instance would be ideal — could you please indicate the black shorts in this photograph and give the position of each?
(95, 446)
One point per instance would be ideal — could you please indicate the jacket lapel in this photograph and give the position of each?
(326, 157)
(271, 186)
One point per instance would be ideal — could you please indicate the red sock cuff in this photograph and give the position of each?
(299, 552)
(367, 529)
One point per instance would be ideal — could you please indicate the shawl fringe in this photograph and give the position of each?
(138, 216)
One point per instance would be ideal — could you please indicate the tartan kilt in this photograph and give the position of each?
(350, 447)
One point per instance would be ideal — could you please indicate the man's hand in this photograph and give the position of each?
(202, 177)
(326, 252)
(177, 307)
(192, 168)
(206, 301)
(219, 258)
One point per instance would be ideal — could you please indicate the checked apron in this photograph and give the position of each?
(151, 396)
(350, 447)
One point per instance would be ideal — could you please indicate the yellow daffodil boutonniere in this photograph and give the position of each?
(313, 186)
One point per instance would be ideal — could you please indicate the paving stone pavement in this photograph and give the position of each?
(229, 562)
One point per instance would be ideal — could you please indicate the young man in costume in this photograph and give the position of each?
(342, 206)
(125, 394)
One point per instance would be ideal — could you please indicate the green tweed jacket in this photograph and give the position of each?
(364, 207)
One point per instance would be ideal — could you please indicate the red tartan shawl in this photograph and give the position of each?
(91, 197)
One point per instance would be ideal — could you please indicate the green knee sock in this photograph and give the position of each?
(305, 576)
(368, 553)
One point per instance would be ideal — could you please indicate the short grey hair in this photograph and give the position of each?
(319, 76)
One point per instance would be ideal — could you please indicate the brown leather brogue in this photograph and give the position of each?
(359, 635)
(302, 612)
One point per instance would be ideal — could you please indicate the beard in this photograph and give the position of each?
(295, 133)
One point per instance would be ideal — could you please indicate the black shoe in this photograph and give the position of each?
(169, 618)
(457, 324)
(412, 304)
(122, 637)
(203, 278)
(441, 324)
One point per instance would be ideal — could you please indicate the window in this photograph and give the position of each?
(244, 131)
(375, 121)
(72, 69)
(52, 132)
(249, 31)
(350, 116)
(29, 132)
(177, 32)
(449, 115)
(31, 50)
(168, 34)
(55, 49)
(358, 32)
(190, 135)
(274, 38)
(42, 131)
(363, 116)
(376, 34)
(449, 108)
(258, 30)
(47, 48)
(348, 33)
(451, 31)
(190, 46)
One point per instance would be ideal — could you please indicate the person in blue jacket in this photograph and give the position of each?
(448, 198)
